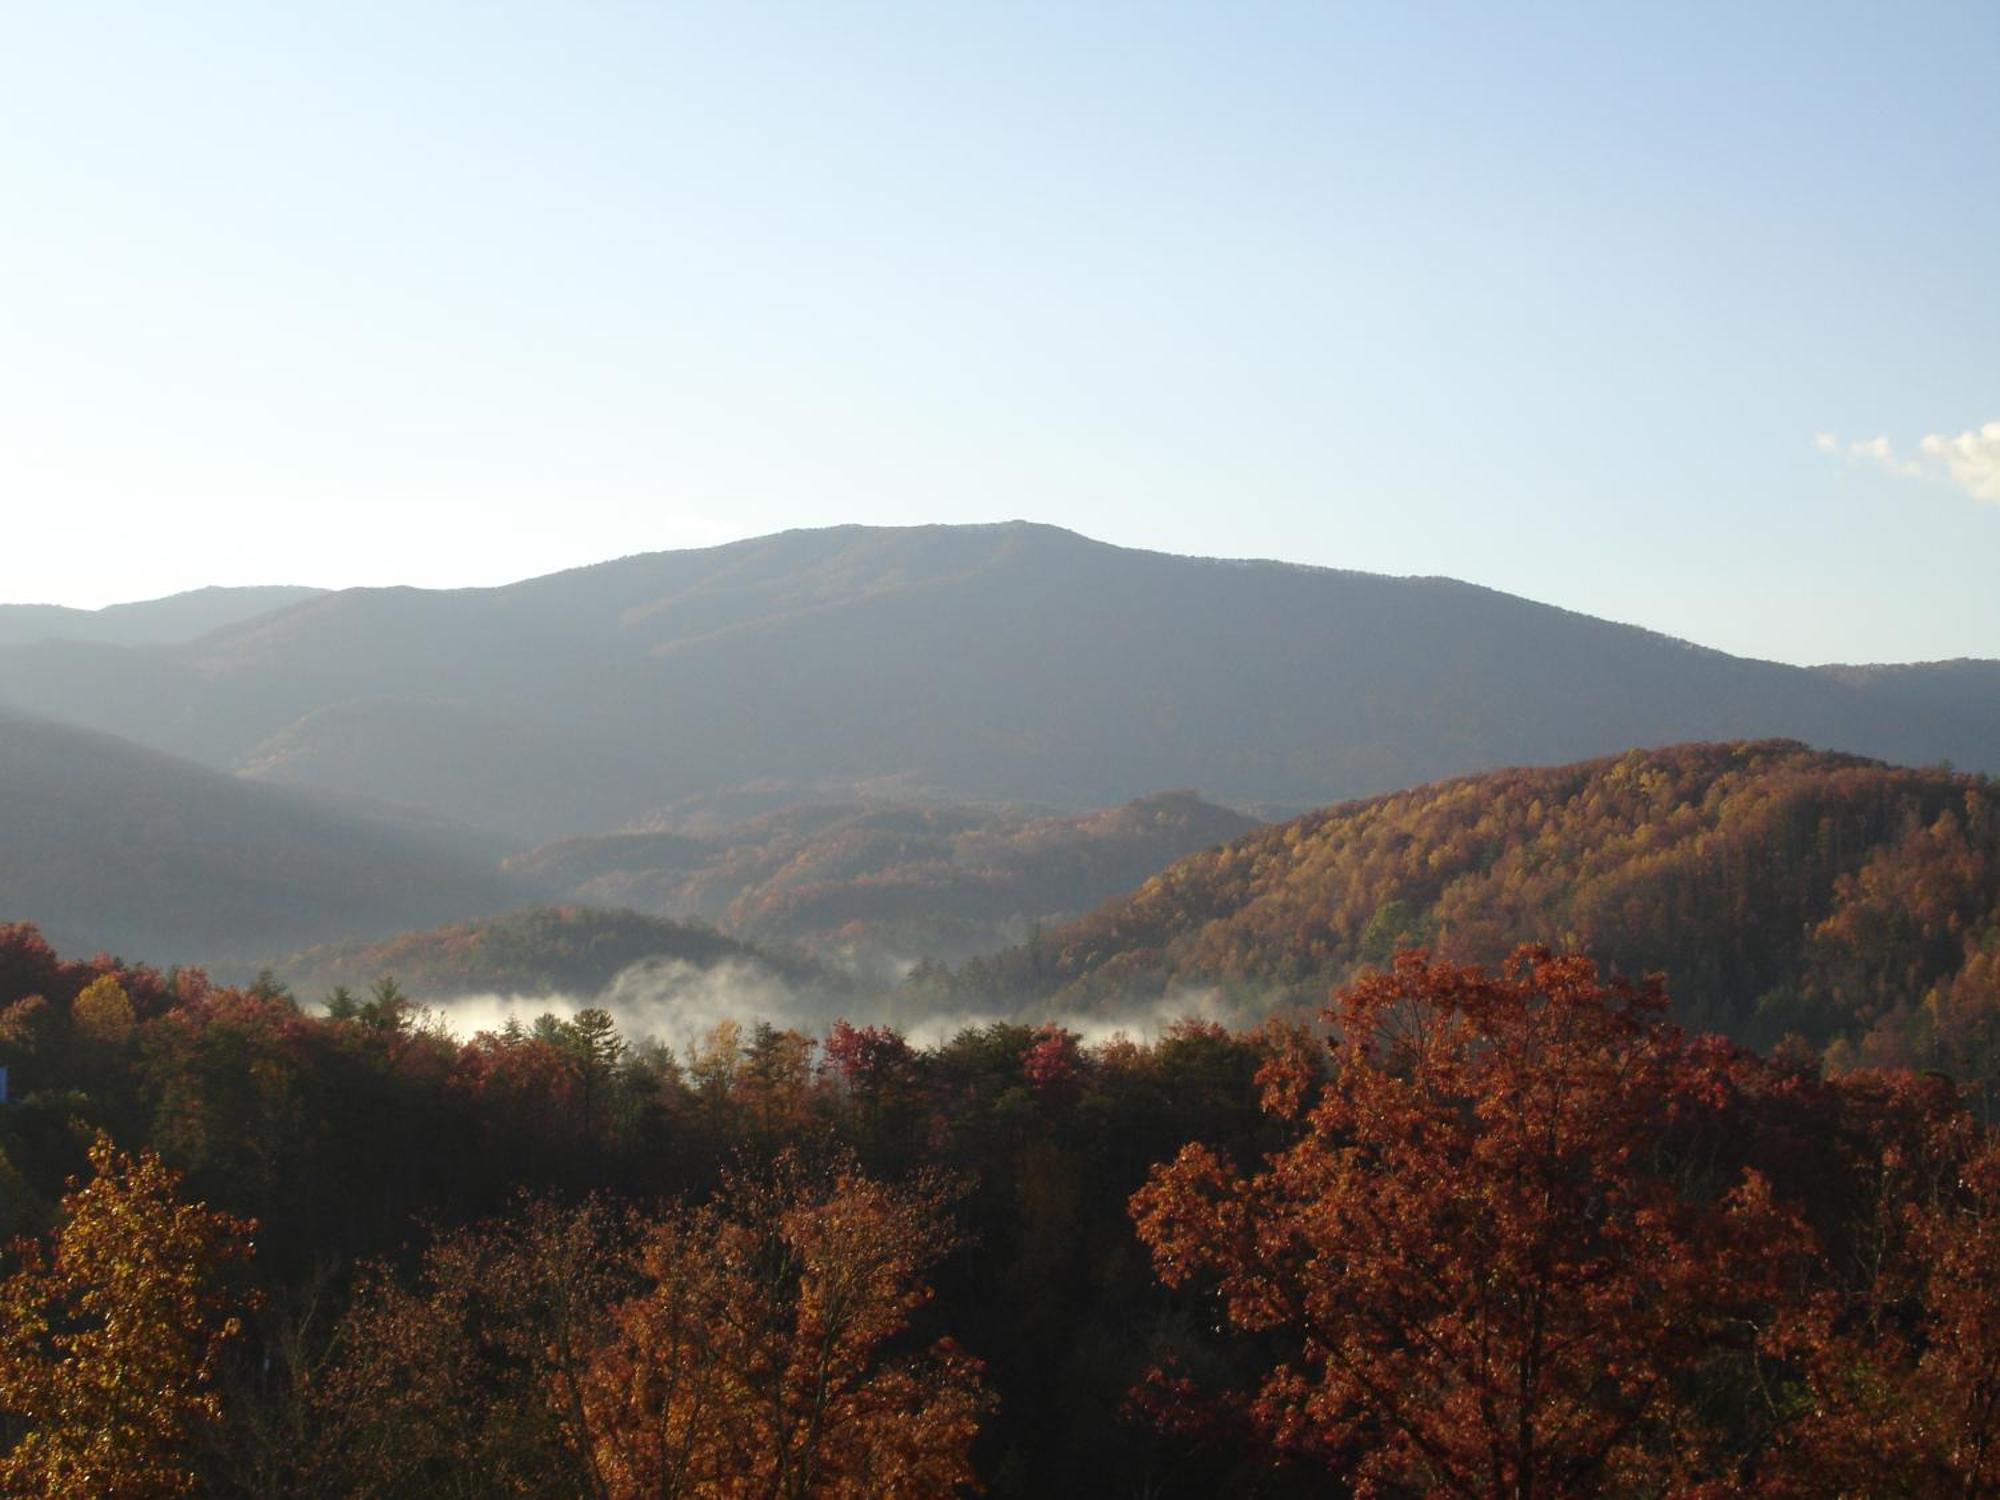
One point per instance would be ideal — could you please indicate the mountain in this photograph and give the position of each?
(108, 845)
(152, 622)
(1966, 691)
(1005, 664)
(1780, 889)
(887, 881)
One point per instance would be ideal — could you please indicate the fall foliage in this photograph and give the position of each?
(756, 1345)
(1518, 1245)
(1781, 890)
(1476, 1232)
(110, 1337)
(757, 1360)
(1492, 1273)
(885, 879)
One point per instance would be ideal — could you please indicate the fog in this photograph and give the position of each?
(678, 1003)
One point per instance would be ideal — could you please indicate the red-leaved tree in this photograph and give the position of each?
(1491, 1262)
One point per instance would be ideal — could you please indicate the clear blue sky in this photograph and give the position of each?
(1555, 298)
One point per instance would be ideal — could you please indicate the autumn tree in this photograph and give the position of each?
(1483, 1267)
(776, 1086)
(869, 1059)
(1902, 1379)
(1957, 1378)
(102, 1012)
(767, 1355)
(467, 1381)
(110, 1337)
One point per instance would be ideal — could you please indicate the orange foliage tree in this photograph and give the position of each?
(1957, 1378)
(466, 1383)
(110, 1337)
(1902, 1382)
(1480, 1262)
(767, 1356)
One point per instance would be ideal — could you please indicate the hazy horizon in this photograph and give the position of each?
(112, 604)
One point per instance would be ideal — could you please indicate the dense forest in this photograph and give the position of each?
(1785, 892)
(1477, 1232)
(541, 952)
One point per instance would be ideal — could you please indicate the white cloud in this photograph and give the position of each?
(1971, 460)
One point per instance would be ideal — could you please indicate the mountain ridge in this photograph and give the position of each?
(171, 619)
(1010, 662)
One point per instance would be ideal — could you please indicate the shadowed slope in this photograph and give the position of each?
(106, 845)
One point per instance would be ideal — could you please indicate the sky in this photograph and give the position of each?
(1682, 315)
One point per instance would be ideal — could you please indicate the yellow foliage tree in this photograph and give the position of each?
(763, 1361)
(102, 1012)
(110, 1336)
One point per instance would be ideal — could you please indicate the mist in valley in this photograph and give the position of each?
(679, 1004)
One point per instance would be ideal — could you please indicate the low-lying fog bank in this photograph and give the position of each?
(675, 1002)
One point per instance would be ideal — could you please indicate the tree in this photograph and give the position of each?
(110, 1337)
(1902, 1385)
(596, 1050)
(1957, 1377)
(467, 1382)
(1484, 1269)
(762, 1360)
(102, 1012)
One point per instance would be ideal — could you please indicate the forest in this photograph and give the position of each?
(540, 951)
(1786, 893)
(1503, 1231)
(882, 881)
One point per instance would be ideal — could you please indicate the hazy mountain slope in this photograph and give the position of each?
(473, 764)
(1779, 889)
(105, 844)
(888, 880)
(1011, 663)
(1965, 691)
(150, 622)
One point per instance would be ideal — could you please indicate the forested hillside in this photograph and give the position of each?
(1011, 663)
(553, 952)
(1780, 889)
(880, 883)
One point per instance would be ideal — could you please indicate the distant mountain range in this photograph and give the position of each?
(171, 621)
(1011, 663)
